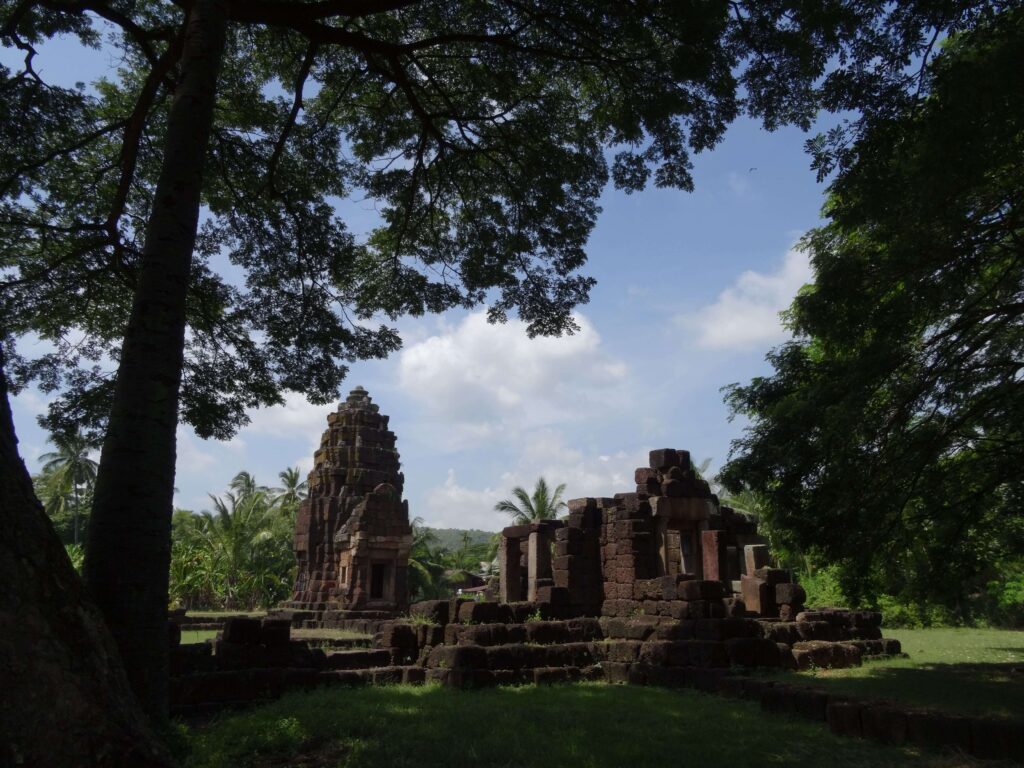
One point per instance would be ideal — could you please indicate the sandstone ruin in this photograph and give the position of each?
(658, 586)
(352, 534)
(635, 552)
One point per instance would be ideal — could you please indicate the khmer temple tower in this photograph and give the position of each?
(352, 534)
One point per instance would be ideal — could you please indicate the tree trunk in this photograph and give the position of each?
(127, 562)
(64, 698)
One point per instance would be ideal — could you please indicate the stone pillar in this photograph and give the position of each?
(511, 573)
(538, 562)
(755, 556)
(714, 556)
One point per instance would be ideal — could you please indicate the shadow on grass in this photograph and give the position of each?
(589, 725)
(968, 688)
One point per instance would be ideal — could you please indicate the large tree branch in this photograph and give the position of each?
(134, 128)
(20, 171)
(293, 115)
(280, 13)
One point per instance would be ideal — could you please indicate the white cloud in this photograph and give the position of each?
(192, 458)
(295, 416)
(485, 380)
(746, 314)
(543, 453)
(451, 505)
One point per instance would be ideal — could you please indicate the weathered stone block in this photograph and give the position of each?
(778, 699)
(663, 458)
(884, 722)
(242, 631)
(622, 650)
(553, 675)
(773, 576)
(700, 590)
(742, 651)
(513, 656)
(396, 635)
(758, 596)
(484, 613)
(679, 630)
(997, 739)
(436, 611)
(755, 556)
(790, 612)
(457, 657)
(810, 703)
(934, 730)
(791, 593)
(843, 717)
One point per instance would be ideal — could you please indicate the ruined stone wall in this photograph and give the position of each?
(629, 554)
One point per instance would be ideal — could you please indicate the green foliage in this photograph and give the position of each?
(823, 589)
(1007, 596)
(452, 538)
(65, 484)
(237, 557)
(914, 614)
(435, 570)
(76, 554)
(544, 504)
(292, 492)
(888, 438)
(479, 130)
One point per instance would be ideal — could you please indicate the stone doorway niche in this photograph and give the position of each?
(678, 550)
(679, 523)
(524, 558)
(380, 581)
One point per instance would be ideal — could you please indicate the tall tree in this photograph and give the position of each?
(243, 548)
(70, 468)
(479, 129)
(889, 436)
(292, 491)
(524, 508)
(66, 701)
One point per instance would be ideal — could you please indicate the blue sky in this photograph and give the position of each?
(687, 301)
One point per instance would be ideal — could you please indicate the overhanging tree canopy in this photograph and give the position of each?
(889, 437)
(478, 127)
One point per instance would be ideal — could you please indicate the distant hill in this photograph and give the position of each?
(451, 538)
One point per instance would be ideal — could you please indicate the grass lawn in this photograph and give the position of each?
(967, 671)
(589, 725)
(197, 635)
(330, 634)
(311, 635)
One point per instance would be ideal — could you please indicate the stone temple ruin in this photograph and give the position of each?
(352, 534)
(661, 585)
(635, 553)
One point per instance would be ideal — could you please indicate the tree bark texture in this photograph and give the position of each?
(64, 698)
(128, 557)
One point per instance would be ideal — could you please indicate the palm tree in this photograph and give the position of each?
(543, 505)
(291, 493)
(70, 469)
(237, 556)
(244, 484)
(425, 570)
